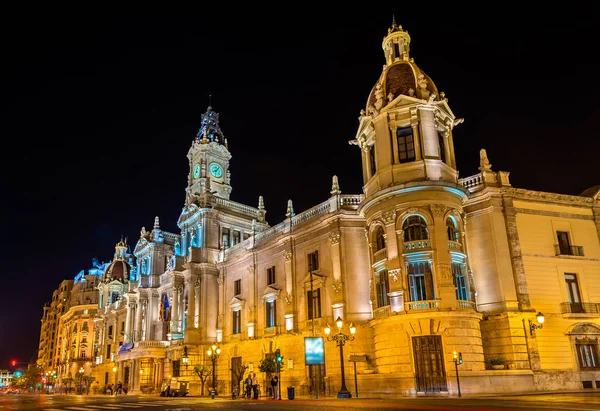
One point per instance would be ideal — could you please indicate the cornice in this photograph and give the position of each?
(543, 196)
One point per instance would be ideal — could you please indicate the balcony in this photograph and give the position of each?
(416, 245)
(574, 250)
(580, 309)
(423, 305)
(380, 255)
(381, 312)
(151, 344)
(455, 246)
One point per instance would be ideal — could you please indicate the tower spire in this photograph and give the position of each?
(156, 223)
(290, 209)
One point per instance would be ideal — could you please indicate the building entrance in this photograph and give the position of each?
(430, 373)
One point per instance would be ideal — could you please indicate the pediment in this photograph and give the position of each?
(142, 242)
(270, 293)
(236, 302)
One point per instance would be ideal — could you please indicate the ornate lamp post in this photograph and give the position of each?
(340, 338)
(213, 354)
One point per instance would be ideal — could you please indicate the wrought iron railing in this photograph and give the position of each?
(580, 308)
(576, 250)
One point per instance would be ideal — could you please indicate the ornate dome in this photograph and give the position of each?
(403, 77)
(119, 269)
(400, 73)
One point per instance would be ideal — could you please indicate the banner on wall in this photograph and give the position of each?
(314, 350)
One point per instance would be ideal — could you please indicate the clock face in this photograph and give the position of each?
(197, 171)
(216, 170)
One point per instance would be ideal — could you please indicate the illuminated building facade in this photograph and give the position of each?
(423, 262)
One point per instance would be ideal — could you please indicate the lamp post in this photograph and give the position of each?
(213, 354)
(80, 388)
(340, 338)
(533, 326)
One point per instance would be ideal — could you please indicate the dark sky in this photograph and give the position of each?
(100, 107)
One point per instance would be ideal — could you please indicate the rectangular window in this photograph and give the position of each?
(420, 282)
(122, 326)
(313, 302)
(237, 322)
(176, 368)
(442, 150)
(372, 160)
(108, 351)
(271, 275)
(460, 282)
(313, 261)
(235, 237)
(588, 355)
(406, 144)
(271, 318)
(237, 287)
(245, 236)
(564, 245)
(383, 288)
(225, 238)
(573, 292)
(110, 331)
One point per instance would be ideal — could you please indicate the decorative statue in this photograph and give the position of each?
(178, 248)
(144, 268)
(171, 263)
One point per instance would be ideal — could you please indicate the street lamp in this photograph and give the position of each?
(213, 354)
(533, 326)
(340, 338)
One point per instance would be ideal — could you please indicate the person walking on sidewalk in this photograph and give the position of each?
(275, 386)
(254, 386)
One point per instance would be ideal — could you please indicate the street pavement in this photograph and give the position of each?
(574, 401)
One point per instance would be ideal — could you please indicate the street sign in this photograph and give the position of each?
(358, 358)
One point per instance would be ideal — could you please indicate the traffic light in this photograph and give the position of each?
(278, 356)
(460, 358)
(13, 363)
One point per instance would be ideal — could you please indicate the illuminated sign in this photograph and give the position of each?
(314, 350)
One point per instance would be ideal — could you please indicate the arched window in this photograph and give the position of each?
(451, 227)
(379, 239)
(415, 229)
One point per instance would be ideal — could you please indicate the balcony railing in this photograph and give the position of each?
(454, 246)
(422, 305)
(381, 312)
(380, 255)
(580, 308)
(576, 250)
(466, 304)
(417, 245)
(151, 344)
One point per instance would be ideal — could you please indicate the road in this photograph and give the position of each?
(545, 402)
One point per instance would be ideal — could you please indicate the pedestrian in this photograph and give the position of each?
(248, 383)
(255, 386)
(110, 389)
(275, 386)
(119, 388)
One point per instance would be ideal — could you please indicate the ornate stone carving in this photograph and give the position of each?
(334, 237)
(287, 255)
(438, 210)
(389, 217)
(444, 272)
(220, 279)
(484, 163)
(288, 298)
(251, 269)
(395, 274)
(337, 286)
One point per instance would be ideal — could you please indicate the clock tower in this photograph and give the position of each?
(209, 159)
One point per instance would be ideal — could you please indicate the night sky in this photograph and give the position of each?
(100, 107)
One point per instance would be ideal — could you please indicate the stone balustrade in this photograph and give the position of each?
(380, 255)
(423, 305)
(454, 246)
(151, 344)
(472, 183)
(416, 245)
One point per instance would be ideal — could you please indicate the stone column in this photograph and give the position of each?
(128, 322)
(196, 302)
(119, 372)
(137, 334)
(160, 370)
(135, 375)
(416, 138)
(289, 313)
(175, 310)
(191, 307)
(447, 153)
